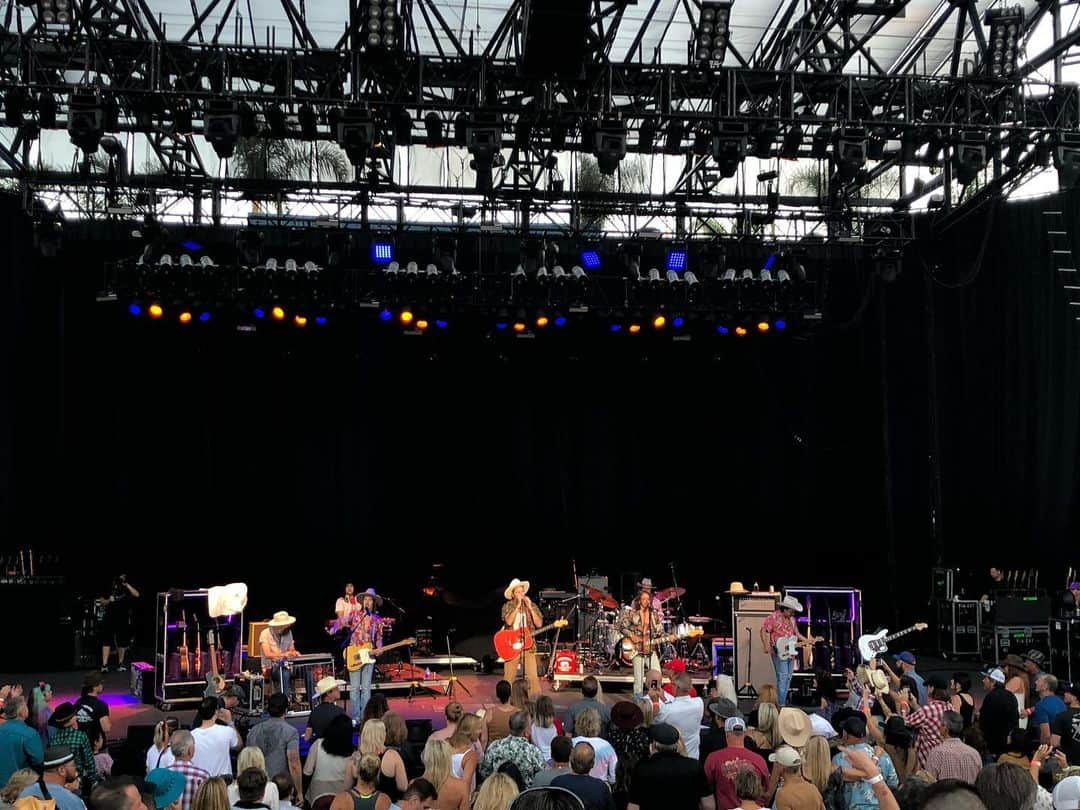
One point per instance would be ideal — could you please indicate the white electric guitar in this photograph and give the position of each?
(874, 644)
(788, 646)
(360, 655)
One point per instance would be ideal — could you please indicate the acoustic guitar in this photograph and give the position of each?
(510, 642)
(185, 665)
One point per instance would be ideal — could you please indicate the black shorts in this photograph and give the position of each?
(115, 628)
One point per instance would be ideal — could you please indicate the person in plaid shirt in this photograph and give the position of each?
(182, 745)
(65, 722)
(927, 719)
(953, 759)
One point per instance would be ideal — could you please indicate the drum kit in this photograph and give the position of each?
(605, 644)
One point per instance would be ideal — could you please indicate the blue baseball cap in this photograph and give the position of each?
(906, 656)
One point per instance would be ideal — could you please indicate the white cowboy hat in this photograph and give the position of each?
(791, 603)
(646, 585)
(324, 685)
(509, 592)
(282, 619)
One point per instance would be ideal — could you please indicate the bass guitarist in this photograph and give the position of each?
(780, 638)
(642, 627)
(519, 613)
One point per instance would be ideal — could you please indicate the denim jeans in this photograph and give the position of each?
(360, 690)
(783, 669)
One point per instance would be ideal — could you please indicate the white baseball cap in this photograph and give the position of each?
(1067, 794)
(786, 756)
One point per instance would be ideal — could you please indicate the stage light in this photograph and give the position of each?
(440, 324)
(259, 313)
(421, 324)
(406, 317)
(86, 118)
(155, 311)
(721, 329)
(204, 317)
(1017, 147)
(277, 122)
(1002, 47)
(221, 126)
(46, 109)
(780, 324)
(320, 320)
(763, 326)
(635, 328)
(385, 315)
(501, 325)
(659, 322)
(740, 331)
(677, 322)
(382, 252)
(355, 132)
(647, 135)
(542, 321)
(519, 327)
(789, 149)
(277, 313)
(711, 33)
(850, 152)
(609, 145)
(590, 259)
(1067, 160)
(483, 139)
(434, 126)
(730, 145)
(969, 156)
(300, 320)
(615, 327)
(676, 259)
(819, 144)
(673, 140)
(560, 321)
(135, 309)
(309, 122)
(185, 317)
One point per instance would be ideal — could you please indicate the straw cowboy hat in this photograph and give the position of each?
(509, 592)
(282, 619)
(794, 727)
(737, 587)
(791, 603)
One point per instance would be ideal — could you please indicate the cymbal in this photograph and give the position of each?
(603, 597)
(701, 619)
(669, 593)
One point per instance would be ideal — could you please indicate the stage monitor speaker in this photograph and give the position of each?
(753, 667)
(555, 37)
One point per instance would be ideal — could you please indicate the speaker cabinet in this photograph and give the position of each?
(753, 667)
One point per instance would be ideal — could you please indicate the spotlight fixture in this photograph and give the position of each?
(676, 259)
(86, 118)
(222, 127)
(382, 252)
(969, 156)
(483, 139)
(356, 133)
(730, 145)
(1017, 147)
(382, 25)
(46, 108)
(590, 259)
(309, 122)
(1002, 47)
(609, 145)
(434, 127)
(789, 150)
(819, 144)
(711, 33)
(850, 153)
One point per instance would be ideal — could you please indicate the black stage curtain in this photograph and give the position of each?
(803, 460)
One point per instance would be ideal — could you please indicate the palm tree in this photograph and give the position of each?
(634, 176)
(271, 159)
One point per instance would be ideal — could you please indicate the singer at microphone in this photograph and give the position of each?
(519, 613)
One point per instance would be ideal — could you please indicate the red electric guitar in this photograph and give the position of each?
(509, 642)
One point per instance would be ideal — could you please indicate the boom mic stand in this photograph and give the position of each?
(450, 684)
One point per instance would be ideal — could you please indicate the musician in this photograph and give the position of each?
(348, 604)
(642, 627)
(277, 646)
(365, 630)
(996, 582)
(778, 625)
(116, 626)
(517, 614)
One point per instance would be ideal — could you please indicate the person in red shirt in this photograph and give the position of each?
(674, 667)
(722, 765)
(779, 627)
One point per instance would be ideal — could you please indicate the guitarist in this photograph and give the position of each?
(642, 628)
(520, 613)
(778, 625)
(365, 629)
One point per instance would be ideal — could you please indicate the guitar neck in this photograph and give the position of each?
(395, 645)
(900, 633)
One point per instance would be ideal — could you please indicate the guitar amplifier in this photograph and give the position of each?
(254, 631)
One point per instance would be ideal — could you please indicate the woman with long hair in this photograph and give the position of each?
(376, 707)
(391, 778)
(40, 712)
(453, 792)
(766, 694)
(1016, 681)
(252, 757)
(545, 726)
(497, 793)
(465, 750)
(16, 784)
(365, 794)
(159, 755)
(397, 738)
(328, 758)
(519, 695)
(817, 762)
(212, 795)
(453, 712)
(766, 735)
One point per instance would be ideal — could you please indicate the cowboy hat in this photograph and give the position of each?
(737, 587)
(374, 596)
(791, 603)
(62, 715)
(324, 685)
(509, 592)
(645, 584)
(282, 619)
(794, 727)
